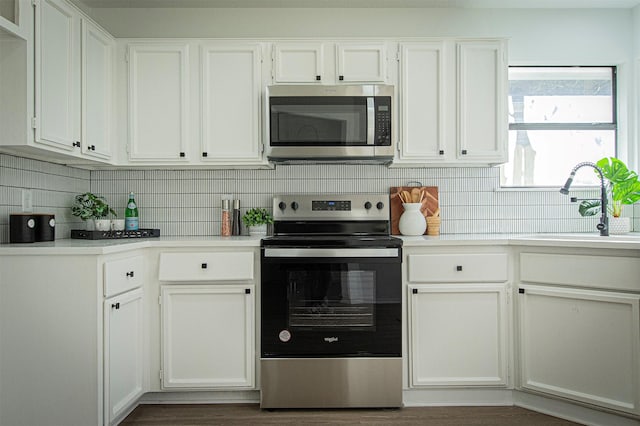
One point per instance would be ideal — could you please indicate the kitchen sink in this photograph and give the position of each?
(632, 237)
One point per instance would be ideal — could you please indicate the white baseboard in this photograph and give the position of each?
(201, 397)
(568, 411)
(444, 397)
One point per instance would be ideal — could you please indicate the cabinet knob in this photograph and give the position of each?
(341, 78)
(182, 155)
(115, 305)
(76, 143)
(92, 147)
(441, 152)
(459, 268)
(464, 152)
(318, 78)
(247, 291)
(130, 274)
(204, 266)
(204, 154)
(414, 291)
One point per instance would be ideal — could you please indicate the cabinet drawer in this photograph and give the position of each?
(423, 268)
(608, 272)
(218, 266)
(122, 275)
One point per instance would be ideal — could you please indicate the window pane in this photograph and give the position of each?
(545, 157)
(561, 95)
(559, 117)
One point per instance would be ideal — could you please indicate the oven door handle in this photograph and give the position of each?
(331, 252)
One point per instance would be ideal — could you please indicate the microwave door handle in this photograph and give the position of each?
(371, 120)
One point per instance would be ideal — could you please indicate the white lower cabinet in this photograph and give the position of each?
(123, 359)
(458, 334)
(581, 344)
(457, 318)
(208, 336)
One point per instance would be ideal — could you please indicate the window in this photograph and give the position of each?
(558, 117)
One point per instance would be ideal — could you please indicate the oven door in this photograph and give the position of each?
(331, 302)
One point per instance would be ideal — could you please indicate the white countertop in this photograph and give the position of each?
(92, 247)
(629, 241)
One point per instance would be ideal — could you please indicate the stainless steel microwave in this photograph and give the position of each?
(319, 123)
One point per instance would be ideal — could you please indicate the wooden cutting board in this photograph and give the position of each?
(429, 203)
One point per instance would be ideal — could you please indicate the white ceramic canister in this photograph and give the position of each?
(412, 222)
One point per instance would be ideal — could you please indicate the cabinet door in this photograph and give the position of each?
(97, 53)
(123, 360)
(231, 90)
(458, 335)
(482, 100)
(581, 344)
(158, 102)
(422, 102)
(361, 62)
(298, 63)
(57, 75)
(208, 336)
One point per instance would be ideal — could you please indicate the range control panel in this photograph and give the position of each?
(331, 207)
(344, 206)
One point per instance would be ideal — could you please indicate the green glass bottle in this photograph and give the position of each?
(131, 220)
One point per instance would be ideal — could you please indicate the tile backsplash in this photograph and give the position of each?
(187, 202)
(53, 187)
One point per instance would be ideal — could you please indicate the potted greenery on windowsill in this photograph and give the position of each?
(623, 188)
(92, 209)
(256, 220)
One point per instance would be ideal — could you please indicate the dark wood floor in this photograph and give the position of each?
(251, 414)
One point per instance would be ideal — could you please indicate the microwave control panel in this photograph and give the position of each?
(383, 120)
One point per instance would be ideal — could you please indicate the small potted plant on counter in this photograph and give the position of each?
(93, 209)
(256, 220)
(623, 187)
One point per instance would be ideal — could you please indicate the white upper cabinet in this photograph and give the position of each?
(423, 101)
(298, 62)
(57, 75)
(453, 99)
(73, 91)
(231, 108)
(158, 102)
(97, 63)
(329, 62)
(361, 62)
(482, 101)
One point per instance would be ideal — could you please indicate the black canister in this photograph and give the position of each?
(45, 227)
(22, 228)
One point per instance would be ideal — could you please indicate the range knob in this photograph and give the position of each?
(282, 205)
(294, 205)
(367, 205)
(380, 205)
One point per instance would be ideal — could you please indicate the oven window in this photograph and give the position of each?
(318, 121)
(339, 297)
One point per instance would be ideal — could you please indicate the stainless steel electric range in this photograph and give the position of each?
(331, 319)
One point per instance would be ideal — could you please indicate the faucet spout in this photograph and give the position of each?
(603, 226)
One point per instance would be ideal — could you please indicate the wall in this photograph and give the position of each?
(187, 202)
(53, 187)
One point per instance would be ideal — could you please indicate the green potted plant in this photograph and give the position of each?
(256, 220)
(623, 188)
(93, 209)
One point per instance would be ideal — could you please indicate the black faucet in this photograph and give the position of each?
(603, 226)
